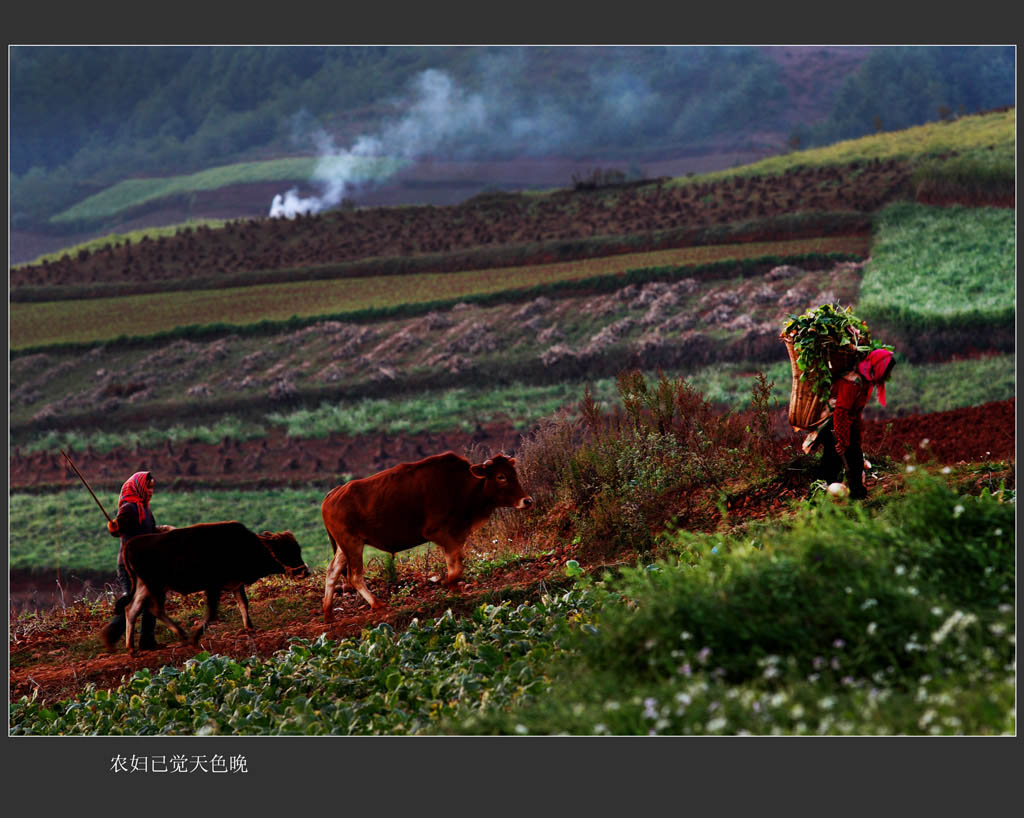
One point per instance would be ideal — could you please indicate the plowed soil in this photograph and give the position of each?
(972, 433)
(58, 660)
(486, 220)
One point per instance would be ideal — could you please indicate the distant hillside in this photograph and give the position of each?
(84, 119)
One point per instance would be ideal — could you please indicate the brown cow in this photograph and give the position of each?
(440, 499)
(208, 557)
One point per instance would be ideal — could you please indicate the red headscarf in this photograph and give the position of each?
(134, 491)
(875, 366)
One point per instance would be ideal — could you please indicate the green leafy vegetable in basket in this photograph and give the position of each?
(825, 339)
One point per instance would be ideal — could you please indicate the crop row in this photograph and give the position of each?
(62, 322)
(937, 267)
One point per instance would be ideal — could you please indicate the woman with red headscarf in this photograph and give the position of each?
(841, 438)
(133, 518)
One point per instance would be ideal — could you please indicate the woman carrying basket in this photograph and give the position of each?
(841, 436)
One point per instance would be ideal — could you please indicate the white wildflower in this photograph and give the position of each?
(716, 724)
(958, 510)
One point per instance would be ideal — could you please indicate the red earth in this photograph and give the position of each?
(984, 432)
(58, 658)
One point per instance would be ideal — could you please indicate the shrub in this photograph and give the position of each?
(814, 590)
(618, 469)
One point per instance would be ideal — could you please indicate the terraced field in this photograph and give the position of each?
(427, 349)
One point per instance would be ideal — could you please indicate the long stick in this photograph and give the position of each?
(94, 497)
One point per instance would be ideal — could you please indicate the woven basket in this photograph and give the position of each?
(806, 409)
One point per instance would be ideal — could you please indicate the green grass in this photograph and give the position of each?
(914, 388)
(965, 135)
(149, 437)
(132, 237)
(66, 322)
(132, 193)
(983, 175)
(935, 267)
(66, 529)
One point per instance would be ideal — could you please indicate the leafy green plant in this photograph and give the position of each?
(836, 621)
(820, 338)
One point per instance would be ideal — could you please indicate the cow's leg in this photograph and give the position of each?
(131, 614)
(453, 549)
(333, 572)
(212, 601)
(243, 607)
(350, 553)
(343, 585)
(357, 578)
(158, 608)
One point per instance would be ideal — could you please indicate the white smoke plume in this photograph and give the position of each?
(439, 113)
(439, 118)
(335, 172)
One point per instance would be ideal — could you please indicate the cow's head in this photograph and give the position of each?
(285, 549)
(502, 482)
